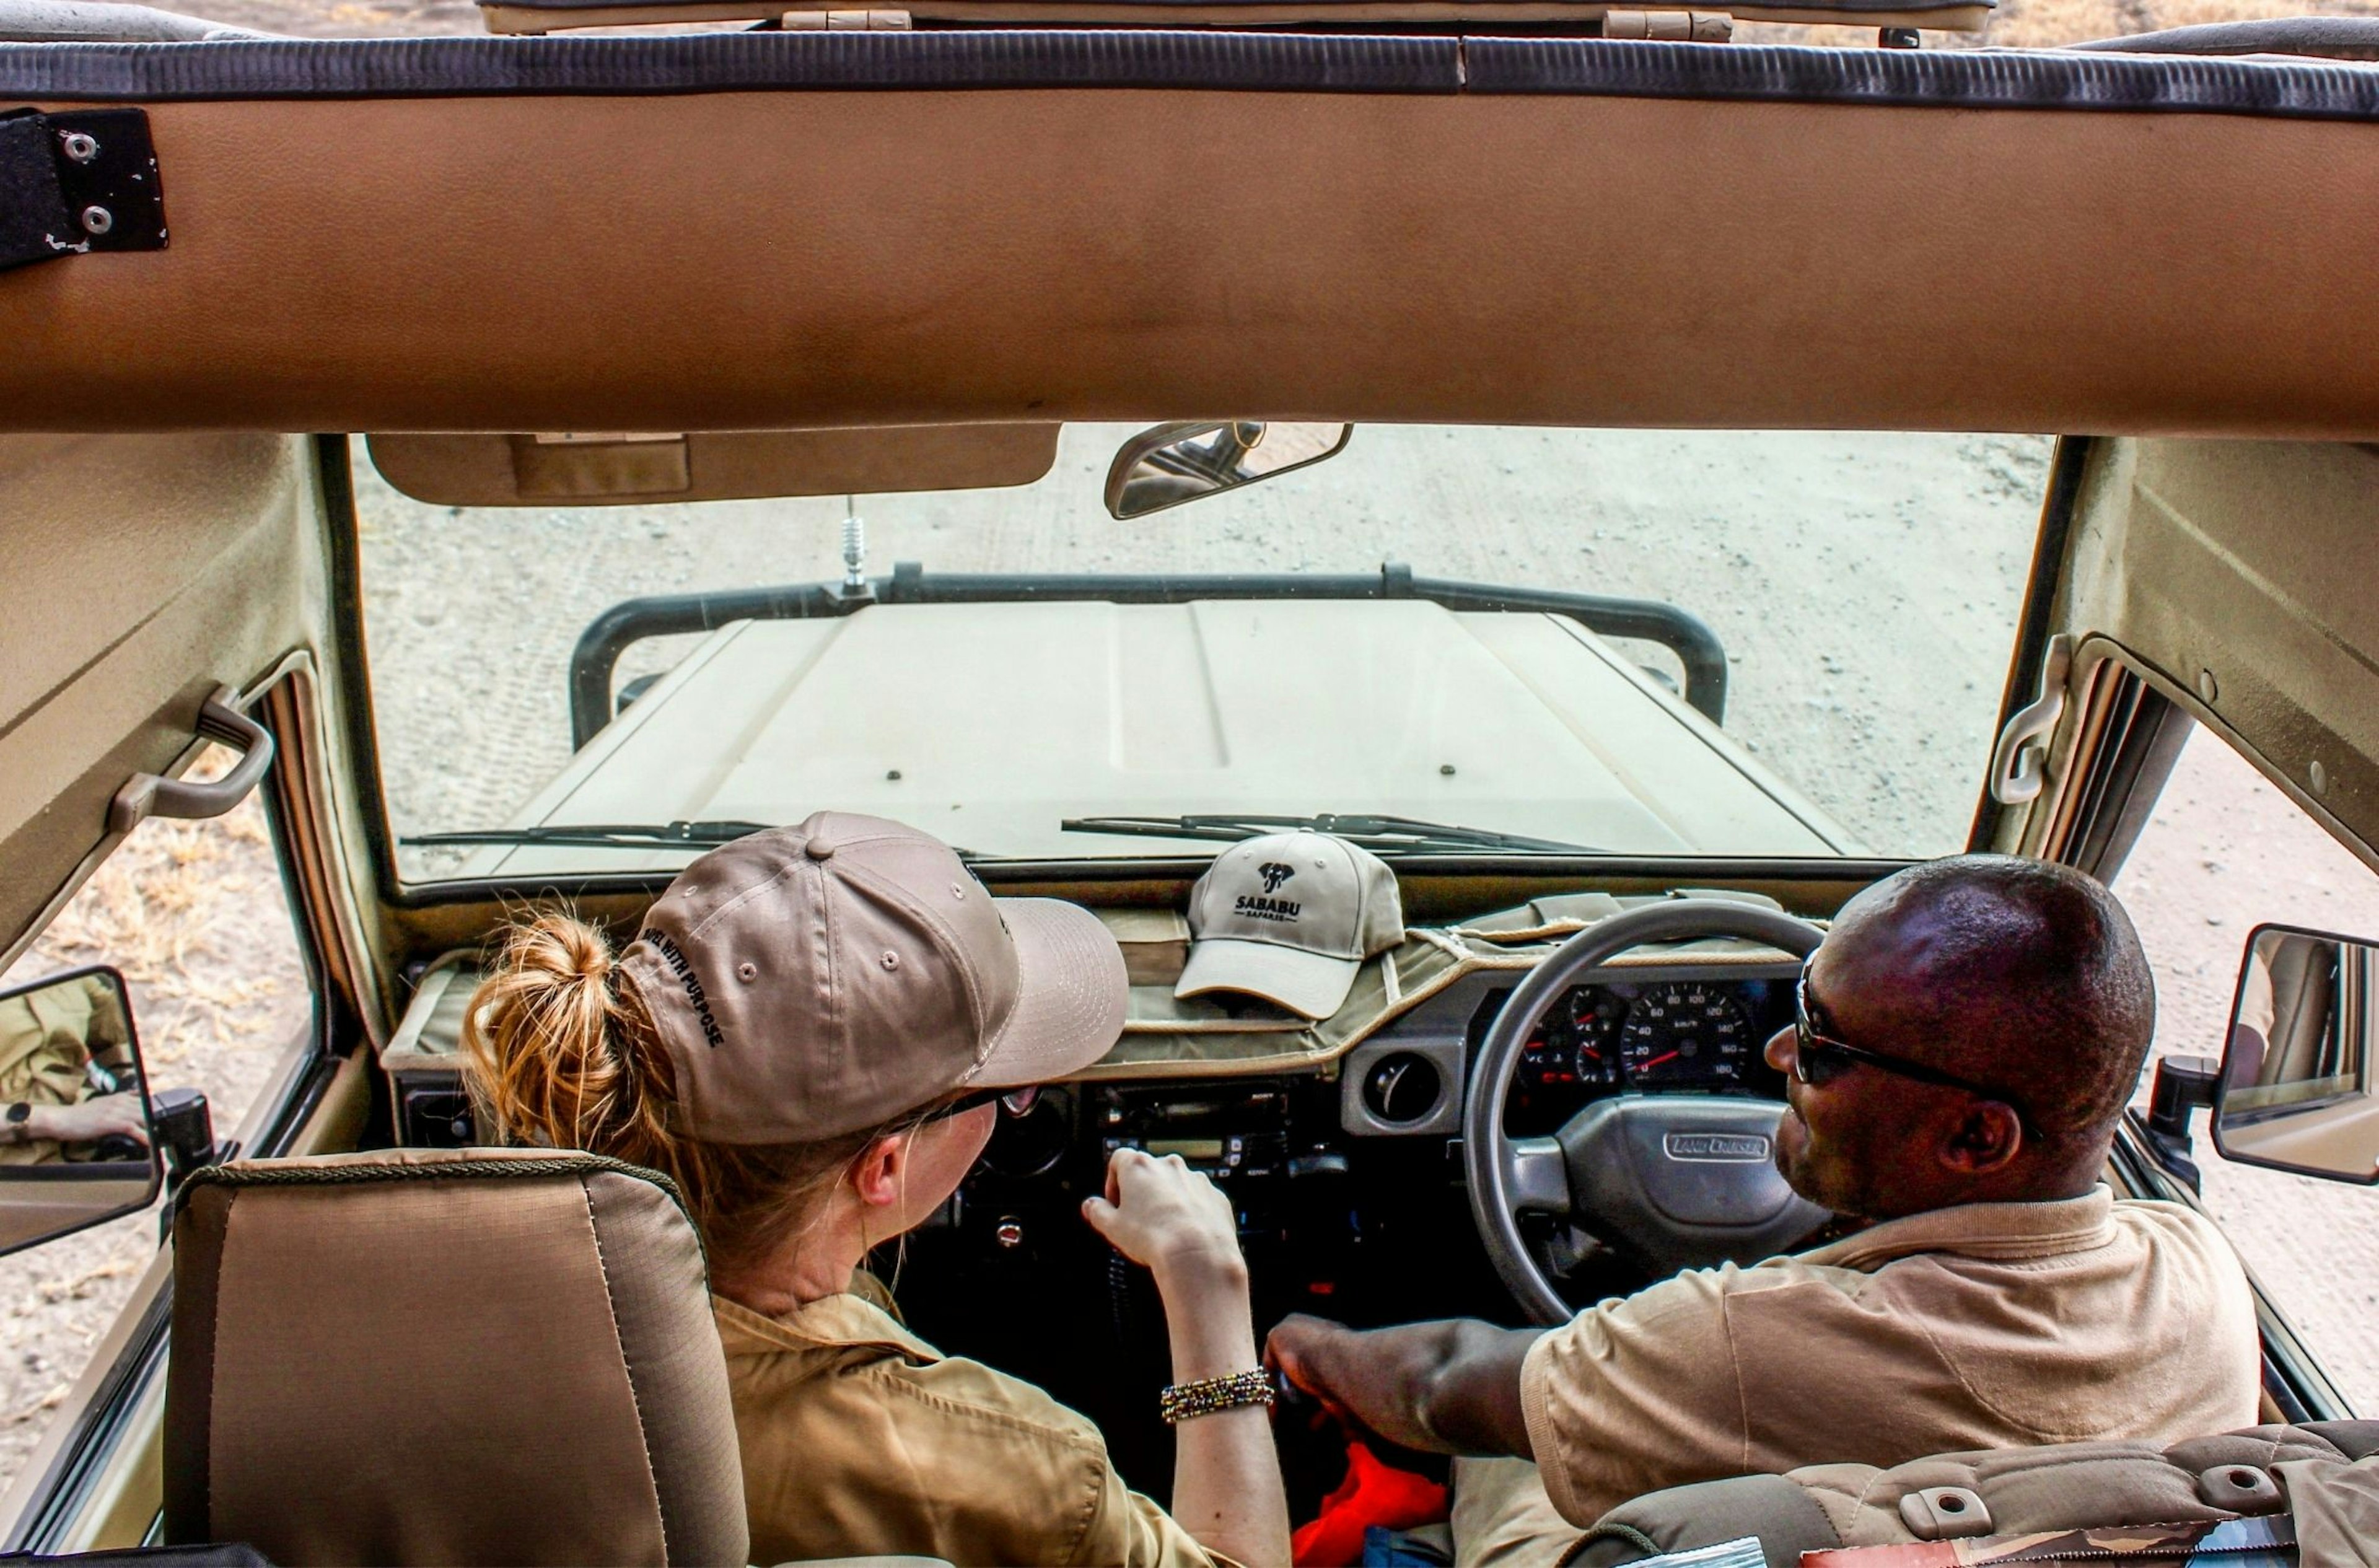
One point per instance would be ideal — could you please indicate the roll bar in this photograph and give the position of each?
(660, 615)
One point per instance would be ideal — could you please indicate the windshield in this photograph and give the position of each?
(1638, 642)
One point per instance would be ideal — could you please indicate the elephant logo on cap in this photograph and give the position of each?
(1273, 875)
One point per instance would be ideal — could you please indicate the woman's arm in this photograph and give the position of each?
(1226, 1489)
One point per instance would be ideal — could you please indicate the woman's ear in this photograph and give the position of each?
(877, 1175)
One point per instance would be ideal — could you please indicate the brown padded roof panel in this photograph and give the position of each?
(1521, 232)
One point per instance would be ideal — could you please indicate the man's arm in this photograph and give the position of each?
(1451, 1387)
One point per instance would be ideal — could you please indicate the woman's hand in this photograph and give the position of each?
(1226, 1488)
(1170, 1219)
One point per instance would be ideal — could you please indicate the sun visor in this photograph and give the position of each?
(616, 468)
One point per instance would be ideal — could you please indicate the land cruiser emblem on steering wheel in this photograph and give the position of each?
(1273, 875)
(1715, 1145)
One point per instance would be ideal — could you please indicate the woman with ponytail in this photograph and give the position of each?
(811, 1036)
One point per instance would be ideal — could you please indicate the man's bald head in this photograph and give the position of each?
(2018, 973)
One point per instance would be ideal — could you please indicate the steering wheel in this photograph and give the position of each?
(1683, 1180)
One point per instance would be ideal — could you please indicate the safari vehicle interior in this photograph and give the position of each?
(522, 274)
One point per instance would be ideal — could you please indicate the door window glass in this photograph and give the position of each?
(2226, 852)
(194, 916)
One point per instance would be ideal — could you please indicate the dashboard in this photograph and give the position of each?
(1690, 1035)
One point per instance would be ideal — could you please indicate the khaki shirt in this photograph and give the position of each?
(859, 1439)
(47, 1039)
(1988, 1325)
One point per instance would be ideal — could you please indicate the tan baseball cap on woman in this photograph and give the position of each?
(815, 980)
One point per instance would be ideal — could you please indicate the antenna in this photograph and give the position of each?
(854, 547)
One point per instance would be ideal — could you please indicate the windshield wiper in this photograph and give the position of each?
(1369, 832)
(602, 835)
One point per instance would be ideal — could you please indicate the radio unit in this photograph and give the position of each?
(1234, 1133)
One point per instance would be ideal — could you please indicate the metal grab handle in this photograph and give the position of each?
(145, 795)
(2019, 773)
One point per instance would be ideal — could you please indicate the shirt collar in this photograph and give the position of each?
(2006, 1232)
(831, 1322)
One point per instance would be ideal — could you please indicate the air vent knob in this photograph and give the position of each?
(1401, 1088)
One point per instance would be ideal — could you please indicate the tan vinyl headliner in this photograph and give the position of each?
(779, 259)
(142, 574)
(2235, 575)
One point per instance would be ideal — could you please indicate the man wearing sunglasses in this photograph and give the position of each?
(1963, 1046)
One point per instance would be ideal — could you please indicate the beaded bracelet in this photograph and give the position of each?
(1207, 1396)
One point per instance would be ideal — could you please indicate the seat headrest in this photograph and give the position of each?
(465, 1355)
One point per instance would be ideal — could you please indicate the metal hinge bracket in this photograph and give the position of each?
(77, 182)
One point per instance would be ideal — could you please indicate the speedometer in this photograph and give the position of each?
(1685, 1032)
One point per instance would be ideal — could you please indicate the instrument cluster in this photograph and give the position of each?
(1695, 1036)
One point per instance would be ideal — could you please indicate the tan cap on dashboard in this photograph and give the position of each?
(1290, 917)
(815, 980)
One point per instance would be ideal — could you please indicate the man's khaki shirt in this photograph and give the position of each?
(860, 1439)
(1988, 1325)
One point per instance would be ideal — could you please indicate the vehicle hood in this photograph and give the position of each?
(989, 724)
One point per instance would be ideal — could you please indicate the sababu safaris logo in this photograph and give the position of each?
(1264, 905)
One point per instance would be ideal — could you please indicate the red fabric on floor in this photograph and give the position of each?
(1372, 1493)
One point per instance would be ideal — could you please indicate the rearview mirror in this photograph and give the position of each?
(2295, 1093)
(1172, 463)
(76, 1145)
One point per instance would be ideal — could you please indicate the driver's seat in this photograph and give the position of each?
(448, 1356)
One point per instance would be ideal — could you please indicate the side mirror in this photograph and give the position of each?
(1172, 463)
(2295, 1093)
(77, 1143)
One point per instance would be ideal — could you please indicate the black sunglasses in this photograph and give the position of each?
(1012, 1102)
(1819, 1058)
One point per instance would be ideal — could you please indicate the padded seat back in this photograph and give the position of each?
(2056, 1487)
(447, 1357)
